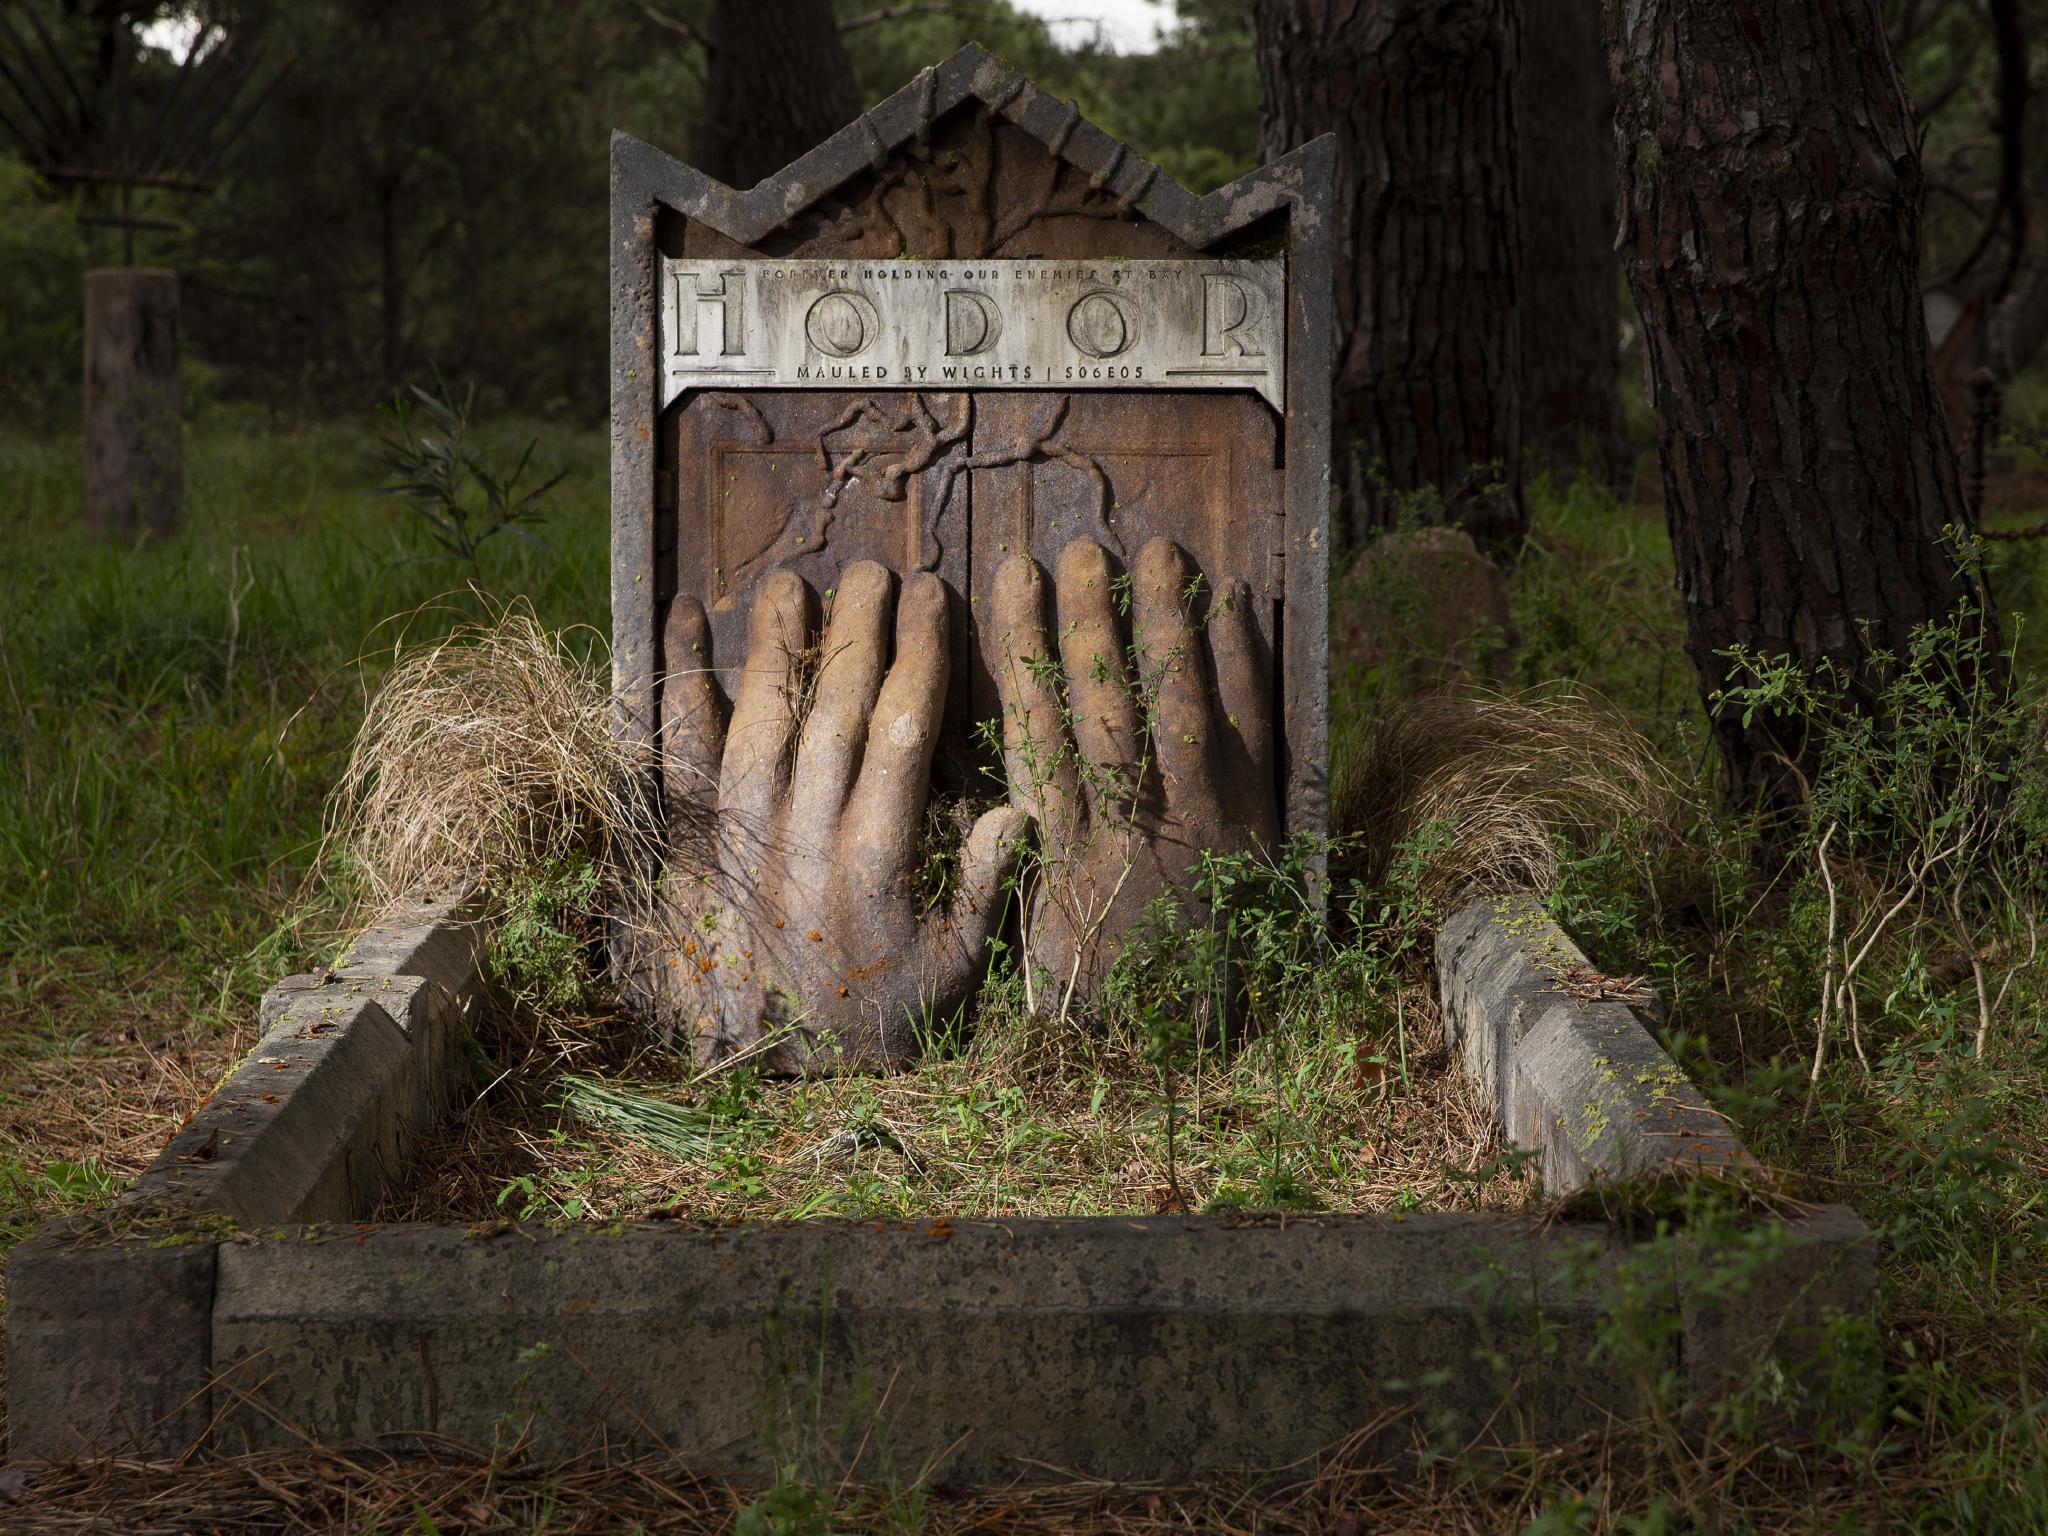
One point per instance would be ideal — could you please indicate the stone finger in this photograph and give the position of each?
(755, 774)
(1243, 689)
(854, 650)
(1170, 662)
(1038, 753)
(885, 818)
(1104, 704)
(989, 859)
(692, 714)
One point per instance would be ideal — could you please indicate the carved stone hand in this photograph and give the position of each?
(793, 926)
(1129, 780)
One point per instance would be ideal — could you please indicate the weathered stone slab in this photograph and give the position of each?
(1136, 1349)
(1165, 1348)
(354, 1064)
(1571, 1072)
(441, 941)
(327, 1107)
(109, 1344)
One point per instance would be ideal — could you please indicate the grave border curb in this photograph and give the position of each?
(1562, 1054)
(154, 1328)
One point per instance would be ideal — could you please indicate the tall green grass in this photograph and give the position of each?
(173, 713)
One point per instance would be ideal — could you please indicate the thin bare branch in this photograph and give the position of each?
(678, 25)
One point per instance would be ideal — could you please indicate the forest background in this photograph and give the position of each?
(421, 202)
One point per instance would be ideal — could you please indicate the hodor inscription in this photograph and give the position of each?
(994, 324)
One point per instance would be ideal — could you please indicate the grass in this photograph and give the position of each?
(1349, 1105)
(171, 719)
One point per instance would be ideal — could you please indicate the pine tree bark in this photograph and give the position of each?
(1771, 194)
(1420, 94)
(778, 83)
(1570, 278)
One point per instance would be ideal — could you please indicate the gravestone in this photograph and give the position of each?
(968, 324)
(134, 442)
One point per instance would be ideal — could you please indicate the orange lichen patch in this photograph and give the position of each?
(867, 972)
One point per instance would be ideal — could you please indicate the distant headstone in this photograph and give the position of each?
(1427, 606)
(970, 324)
(134, 455)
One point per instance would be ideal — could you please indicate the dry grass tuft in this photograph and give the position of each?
(488, 754)
(1501, 778)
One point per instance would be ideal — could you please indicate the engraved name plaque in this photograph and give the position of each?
(987, 324)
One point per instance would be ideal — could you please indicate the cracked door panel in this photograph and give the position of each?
(816, 481)
(1202, 470)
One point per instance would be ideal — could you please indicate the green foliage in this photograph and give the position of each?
(28, 1196)
(1256, 934)
(42, 299)
(172, 716)
(1928, 749)
(1921, 817)
(682, 1131)
(439, 471)
(558, 1193)
(422, 195)
(541, 948)
(381, 218)
(788, 1507)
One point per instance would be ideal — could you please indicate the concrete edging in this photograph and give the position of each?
(1166, 1348)
(354, 1063)
(1572, 1074)
(203, 1314)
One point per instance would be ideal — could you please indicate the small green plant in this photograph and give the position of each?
(1916, 822)
(541, 948)
(562, 1194)
(790, 1506)
(27, 1197)
(432, 462)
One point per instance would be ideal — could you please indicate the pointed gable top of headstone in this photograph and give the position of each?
(643, 176)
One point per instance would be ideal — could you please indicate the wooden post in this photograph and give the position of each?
(134, 454)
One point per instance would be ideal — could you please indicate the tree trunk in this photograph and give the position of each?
(1420, 94)
(1771, 193)
(778, 83)
(1570, 282)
